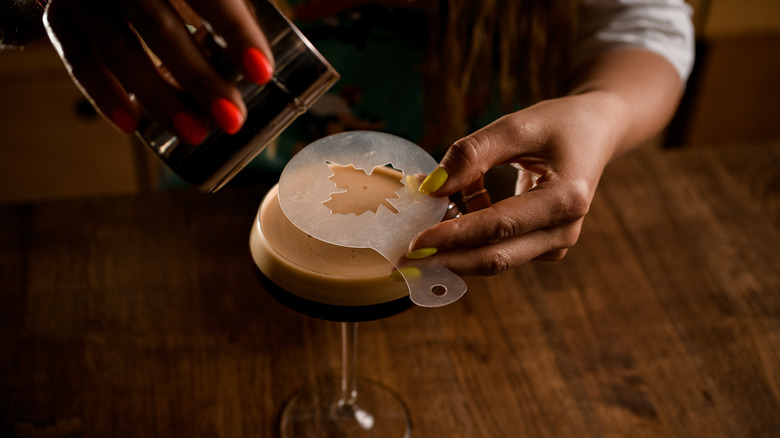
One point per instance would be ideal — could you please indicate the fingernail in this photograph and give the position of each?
(434, 181)
(409, 272)
(189, 128)
(123, 120)
(421, 253)
(227, 115)
(257, 67)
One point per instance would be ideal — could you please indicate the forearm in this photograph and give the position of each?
(635, 91)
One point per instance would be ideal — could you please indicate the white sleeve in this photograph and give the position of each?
(660, 26)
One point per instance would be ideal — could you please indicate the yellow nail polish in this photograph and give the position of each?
(434, 181)
(421, 253)
(409, 272)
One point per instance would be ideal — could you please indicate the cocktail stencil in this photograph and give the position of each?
(305, 187)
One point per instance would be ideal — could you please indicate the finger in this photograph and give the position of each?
(186, 13)
(452, 212)
(526, 180)
(470, 157)
(475, 195)
(542, 208)
(247, 46)
(107, 96)
(97, 84)
(499, 257)
(163, 30)
(124, 56)
(552, 256)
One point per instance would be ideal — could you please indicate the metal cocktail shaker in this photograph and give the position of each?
(301, 76)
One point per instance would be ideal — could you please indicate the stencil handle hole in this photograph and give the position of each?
(439, 290)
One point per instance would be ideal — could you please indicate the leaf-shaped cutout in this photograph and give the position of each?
(364, 192)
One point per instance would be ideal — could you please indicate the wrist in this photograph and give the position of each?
(608, 115)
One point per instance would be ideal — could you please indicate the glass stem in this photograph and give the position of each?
(346, 404)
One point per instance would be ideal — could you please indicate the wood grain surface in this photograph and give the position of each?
(140, 316)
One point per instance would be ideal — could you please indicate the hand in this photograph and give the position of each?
(565, 142)
(98, 40)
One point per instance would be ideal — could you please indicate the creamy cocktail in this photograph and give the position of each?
(324, 280)
(345, 190)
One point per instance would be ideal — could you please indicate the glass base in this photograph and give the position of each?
(315, 411)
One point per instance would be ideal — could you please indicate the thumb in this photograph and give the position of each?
(467, 160)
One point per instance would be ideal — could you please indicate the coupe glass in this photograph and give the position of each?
(346, 285)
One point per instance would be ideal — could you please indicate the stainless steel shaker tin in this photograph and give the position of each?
(301, 76)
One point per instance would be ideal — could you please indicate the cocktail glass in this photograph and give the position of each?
(347, 285)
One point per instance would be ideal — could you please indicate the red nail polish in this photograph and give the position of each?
(123, 120)
(227, 115)
(257, 67)
(189, 128)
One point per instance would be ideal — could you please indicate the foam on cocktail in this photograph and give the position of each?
(319, 271)
(306, 184)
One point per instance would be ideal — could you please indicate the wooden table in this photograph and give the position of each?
(141, 316)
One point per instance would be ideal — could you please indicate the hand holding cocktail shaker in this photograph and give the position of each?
(301, 76)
